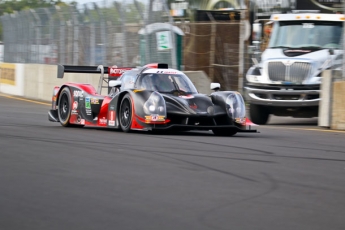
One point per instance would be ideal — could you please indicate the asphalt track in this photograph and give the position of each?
(290, 176)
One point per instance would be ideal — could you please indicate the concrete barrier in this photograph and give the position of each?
(325, 106)
(36, 81)
(41, 79)
(338, 105)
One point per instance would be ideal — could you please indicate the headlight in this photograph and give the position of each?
(155, 108)
(253, 74)
(235, 107)
(253, 78)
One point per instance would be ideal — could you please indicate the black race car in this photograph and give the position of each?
(153, 97)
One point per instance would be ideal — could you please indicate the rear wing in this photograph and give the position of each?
(113, 73)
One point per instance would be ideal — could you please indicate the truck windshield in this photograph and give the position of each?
(307, 34)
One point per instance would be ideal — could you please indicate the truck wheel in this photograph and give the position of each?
(258, 114)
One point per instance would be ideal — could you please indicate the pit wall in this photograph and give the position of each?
(36, 81)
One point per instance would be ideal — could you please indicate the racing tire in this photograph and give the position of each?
(224, 132)
(126, 113)
(258, 114)
(64, 107)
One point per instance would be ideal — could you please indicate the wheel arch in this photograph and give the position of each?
(120, 97)
(59, 92)
(87, 88)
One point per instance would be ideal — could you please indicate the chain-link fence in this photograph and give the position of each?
(94, 33)
(125, 33)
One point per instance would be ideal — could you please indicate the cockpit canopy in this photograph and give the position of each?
(166, 83)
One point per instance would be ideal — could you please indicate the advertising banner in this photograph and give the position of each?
(8, 73)
(12, 79)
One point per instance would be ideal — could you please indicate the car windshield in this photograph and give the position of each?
(167, 83)
(307, 34)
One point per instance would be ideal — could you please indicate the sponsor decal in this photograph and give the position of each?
(94, 101)
(8, 74)
(87, 103)
(103, 121)
(88, 112)
(111, 117)
(78, 93)
(167, 72)
(117, 72)
(154, 117)
(75, 105)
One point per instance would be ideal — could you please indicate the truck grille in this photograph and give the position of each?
(297, 72)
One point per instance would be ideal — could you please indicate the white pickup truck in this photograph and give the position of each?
(286, 81)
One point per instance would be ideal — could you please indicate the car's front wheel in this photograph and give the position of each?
(64, 107)
(126, 113)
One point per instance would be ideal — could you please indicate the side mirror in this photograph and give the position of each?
(215, 86)
(115, 83)
(257, 32)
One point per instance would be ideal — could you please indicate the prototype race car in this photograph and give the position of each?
(152, 97)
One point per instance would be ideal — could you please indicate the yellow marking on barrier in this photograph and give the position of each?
(22, 99)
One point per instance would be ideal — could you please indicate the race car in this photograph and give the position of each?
(152, 98)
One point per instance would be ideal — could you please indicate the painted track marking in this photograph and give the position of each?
(22, 99)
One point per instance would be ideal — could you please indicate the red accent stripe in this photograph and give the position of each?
(135, 124)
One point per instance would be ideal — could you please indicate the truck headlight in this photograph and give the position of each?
(155, 108)
(253, 74)
(252, 78)
(235, 107)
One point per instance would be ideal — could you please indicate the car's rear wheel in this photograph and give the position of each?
(258, 114)
(126, 113)
(224, 132)
(64, 107)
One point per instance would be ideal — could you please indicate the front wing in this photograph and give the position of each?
(201, 127)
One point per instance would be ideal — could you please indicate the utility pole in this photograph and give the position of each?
(244, 43)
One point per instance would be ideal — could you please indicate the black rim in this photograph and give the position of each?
(126, 113)
(64, 107)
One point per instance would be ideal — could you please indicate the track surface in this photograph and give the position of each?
(53, 177)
